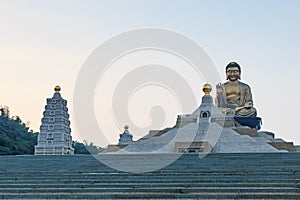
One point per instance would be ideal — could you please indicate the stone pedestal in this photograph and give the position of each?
(252, 122)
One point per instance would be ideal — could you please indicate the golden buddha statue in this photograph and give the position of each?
(234, 97)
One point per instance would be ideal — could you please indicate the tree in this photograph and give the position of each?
(14, 136)
(85, 148)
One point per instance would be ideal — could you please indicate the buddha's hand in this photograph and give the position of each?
(248, 104)
(219, 88)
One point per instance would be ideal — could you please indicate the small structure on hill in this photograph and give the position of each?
(125, 137)
(55, 132)
(124, 140)
(4, 111)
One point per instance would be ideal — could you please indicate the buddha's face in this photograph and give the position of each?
(233, 74)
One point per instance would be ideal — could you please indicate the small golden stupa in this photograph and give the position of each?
(206, 89)
(57, 88)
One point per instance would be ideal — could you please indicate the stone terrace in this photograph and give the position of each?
(235, 175)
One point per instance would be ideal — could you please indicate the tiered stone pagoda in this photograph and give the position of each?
(55, 132)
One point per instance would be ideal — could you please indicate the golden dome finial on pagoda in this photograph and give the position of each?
(57, 88)
(126, 127)
(206, 89)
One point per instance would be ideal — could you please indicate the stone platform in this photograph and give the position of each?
(213, 131)
(216, 176)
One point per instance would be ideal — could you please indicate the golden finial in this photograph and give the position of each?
(57, 88)
(126, 127)
(206, 89)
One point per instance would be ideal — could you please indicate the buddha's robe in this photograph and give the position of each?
(234, 102)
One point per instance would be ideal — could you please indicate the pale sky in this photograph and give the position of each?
(45, 43)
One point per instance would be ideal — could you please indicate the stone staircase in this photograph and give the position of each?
(216, 176)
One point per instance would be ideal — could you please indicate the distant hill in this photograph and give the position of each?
(15, 137)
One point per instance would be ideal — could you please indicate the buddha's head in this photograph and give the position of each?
(233, 71)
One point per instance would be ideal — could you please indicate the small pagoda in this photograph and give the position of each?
(55, 132)
(125, 137)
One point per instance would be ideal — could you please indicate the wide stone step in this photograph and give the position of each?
(150, 178)
(146, 184)
(136, 176)
(161, 173)
(243, 169)
(158, 173)
(154, 182)
(152, 190)
(153, 196)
